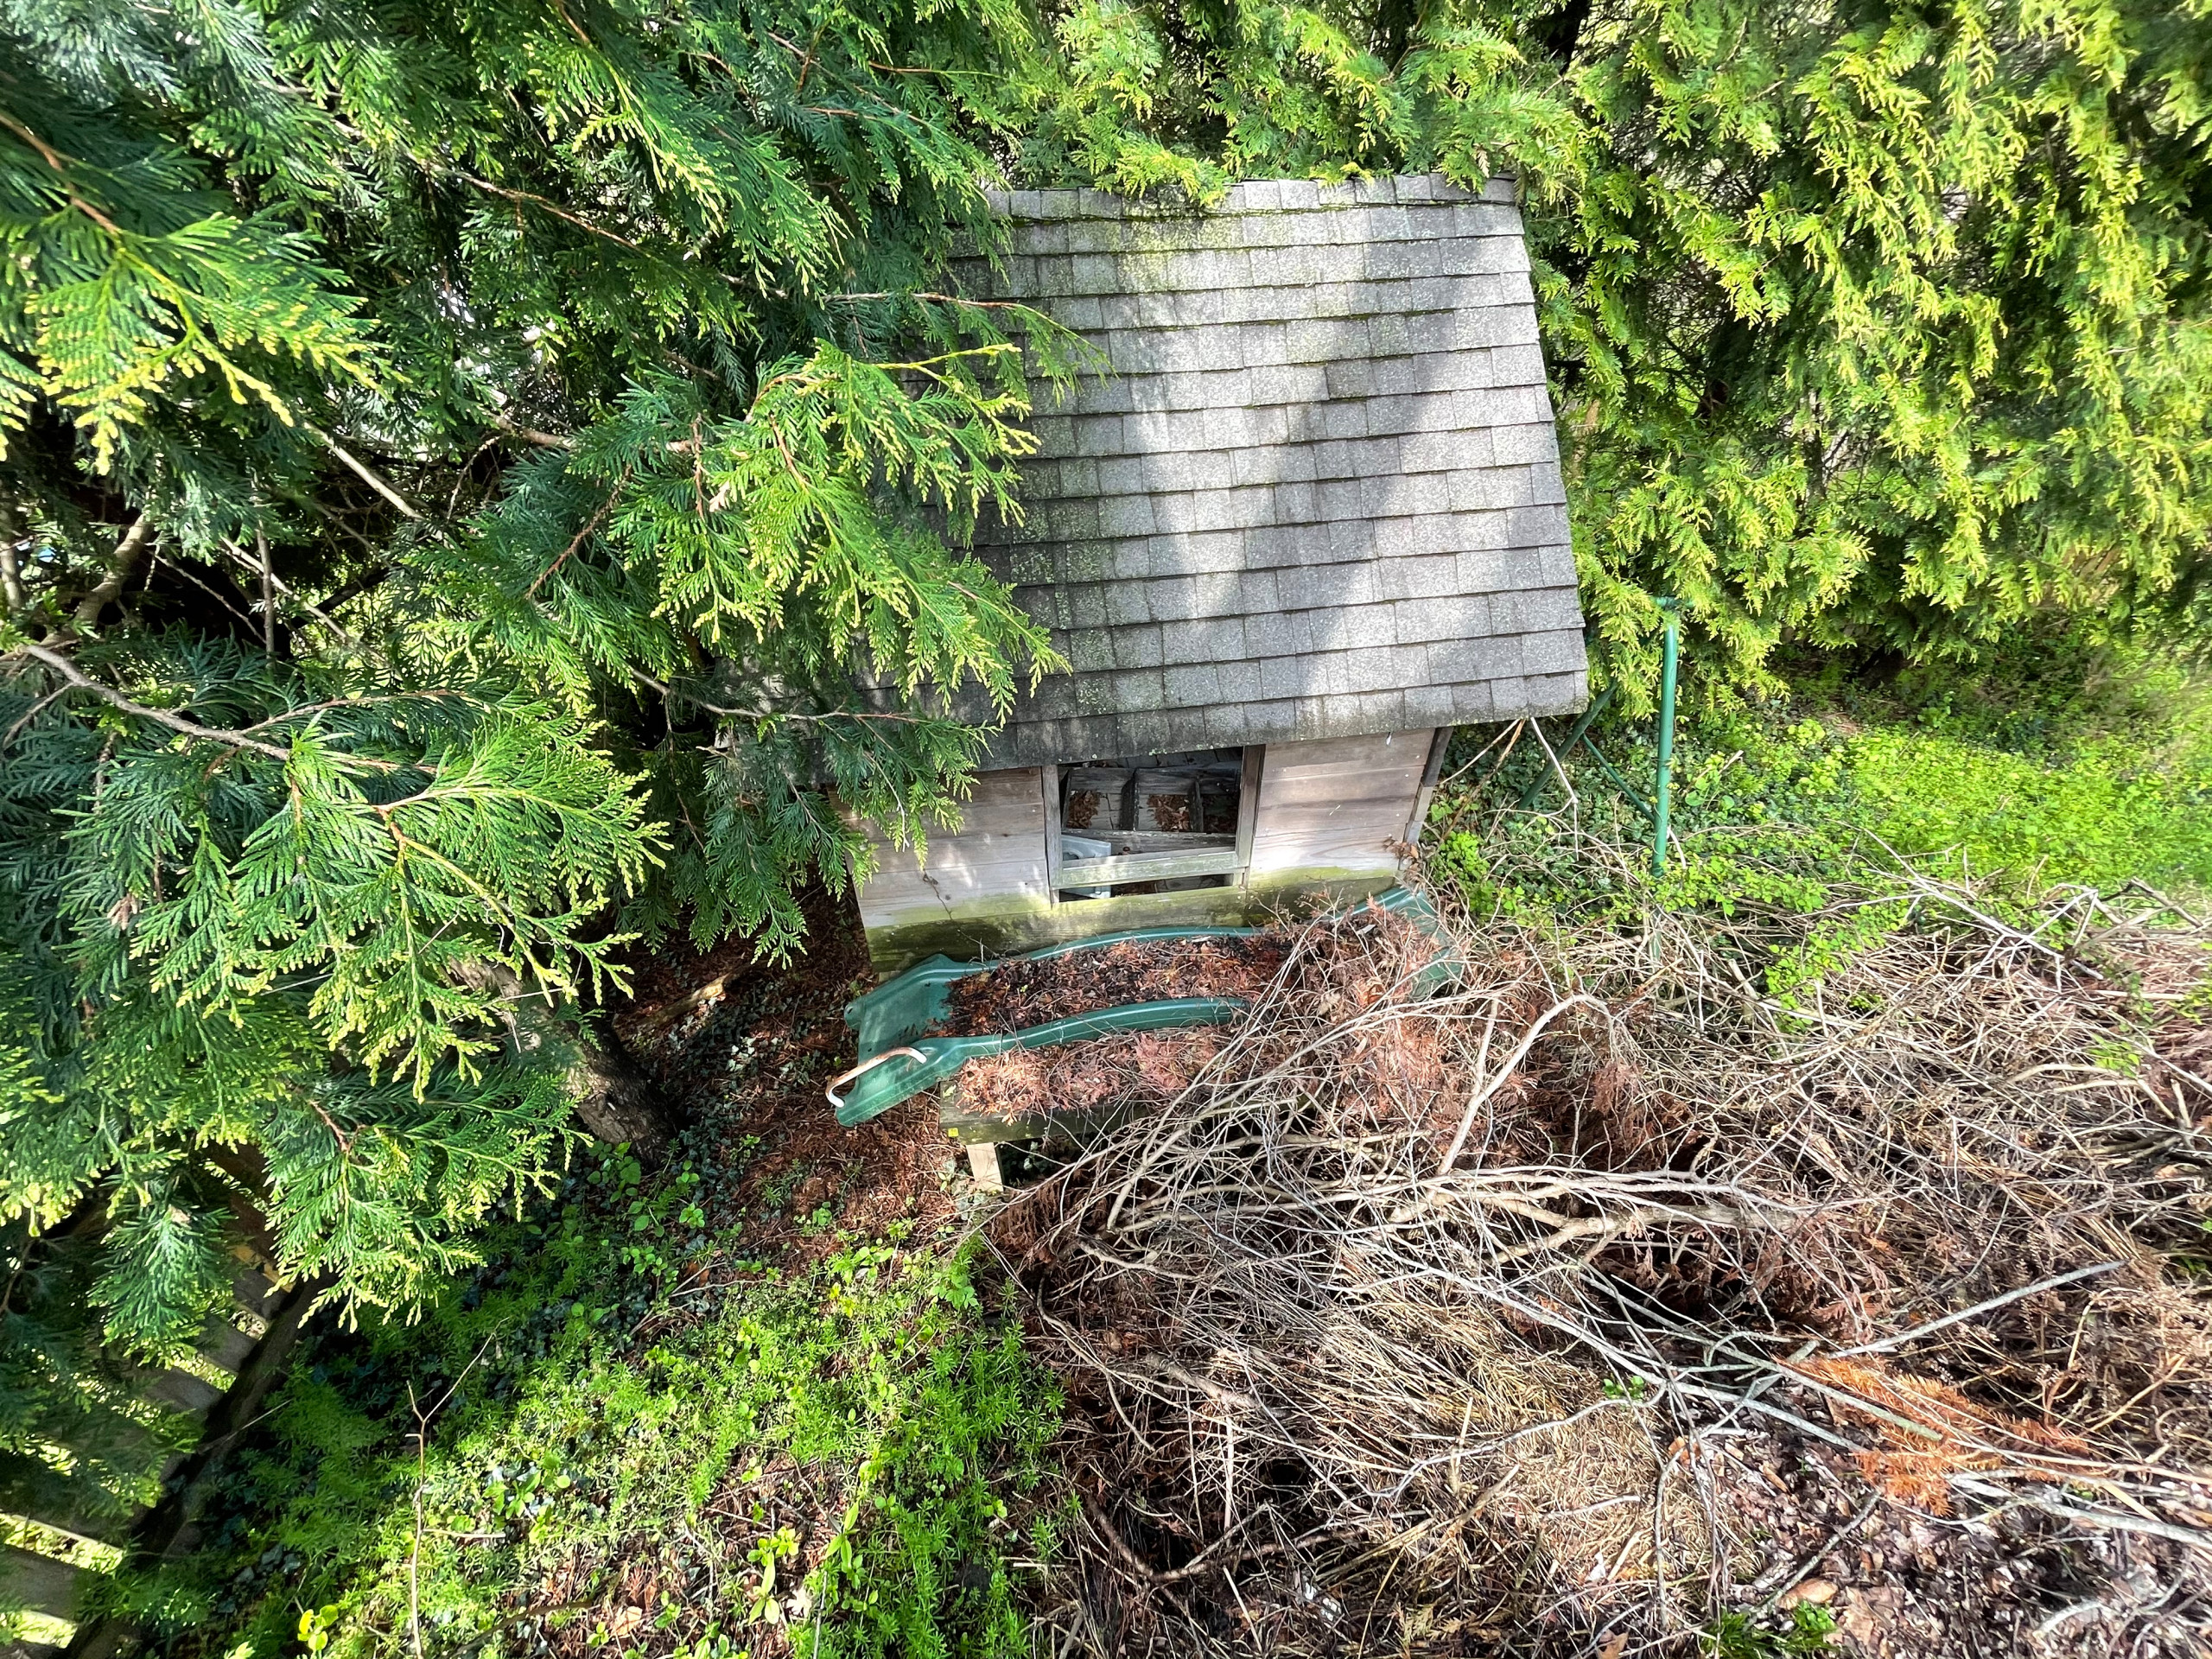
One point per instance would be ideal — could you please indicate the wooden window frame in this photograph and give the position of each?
(1062, 873)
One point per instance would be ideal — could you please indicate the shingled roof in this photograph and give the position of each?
(1319, 494)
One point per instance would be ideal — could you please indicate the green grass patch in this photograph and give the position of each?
(1734, 1636)
(1802, 815)
(2102, 815)
(2100, 785)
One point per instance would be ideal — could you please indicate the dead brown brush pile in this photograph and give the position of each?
(1497, 1320)
(1141, 1073)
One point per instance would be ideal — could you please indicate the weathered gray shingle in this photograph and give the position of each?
(1320, 495)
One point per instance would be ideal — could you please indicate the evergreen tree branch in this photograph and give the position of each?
(346, 636)
(682, 695)
(531, 435)
(120, 564)
(583, 536)
(552, 208)
(362, 471)
(80, 682)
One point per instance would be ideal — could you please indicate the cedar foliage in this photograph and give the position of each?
(464, 463)
(462, 467)
(1876, 326)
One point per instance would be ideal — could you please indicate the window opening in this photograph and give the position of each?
(1150, 823)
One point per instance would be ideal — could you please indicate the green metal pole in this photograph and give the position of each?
(1663, 790)
(1581, 730)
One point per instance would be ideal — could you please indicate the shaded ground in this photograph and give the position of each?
(1021, 995)
(743, 1050)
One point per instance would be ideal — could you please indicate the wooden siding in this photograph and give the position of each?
(1321, 818)
(973, 882)
(998, 851)
(1337, 807)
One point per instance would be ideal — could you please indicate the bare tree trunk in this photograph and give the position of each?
(618, 1101)
(11, 571)
(614, 1101)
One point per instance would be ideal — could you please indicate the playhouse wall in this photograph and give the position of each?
(1331, 816)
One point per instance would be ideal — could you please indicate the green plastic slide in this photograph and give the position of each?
(898, 1059)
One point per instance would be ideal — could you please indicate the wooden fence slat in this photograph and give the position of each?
(181, 1391)
(40, 1493)
(39, 1582)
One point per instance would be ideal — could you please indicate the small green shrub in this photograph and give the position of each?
(1733, 1636)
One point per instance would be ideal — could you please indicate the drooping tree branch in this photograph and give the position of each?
(78, 680)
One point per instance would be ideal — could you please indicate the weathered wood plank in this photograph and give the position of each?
(1336, 805)
(181, 1391)
(1248, 800)
(1439, 742)
(1163, 841)
(1147, 866)
(1049, 776)
(1378, 792)
(1387, 749)
(991, 852)
(1331, 858)
(998, 853)
(1317, 818)
(224, 1342)
(67, 1503)
(39, 1582)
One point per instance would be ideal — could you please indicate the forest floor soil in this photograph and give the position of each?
(742, 1051)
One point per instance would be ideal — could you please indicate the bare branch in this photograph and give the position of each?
(305, 604)
(11, 573)
(361, 471)
(69, 671)
(120, 564)
(78, 681)
(531, 435)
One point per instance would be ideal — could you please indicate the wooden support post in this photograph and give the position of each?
(1248, 807)
(1050, 776)
(1439, 742)
(984, 1166)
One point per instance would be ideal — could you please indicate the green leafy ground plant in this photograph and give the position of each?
(2095, 773)
(835, 1462)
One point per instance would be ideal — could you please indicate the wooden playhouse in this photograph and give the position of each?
(1311, 520)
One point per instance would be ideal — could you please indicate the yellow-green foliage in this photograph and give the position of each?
(2104, 815)
(1883, 324)
(2093, 769)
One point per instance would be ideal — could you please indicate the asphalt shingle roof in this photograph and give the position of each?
(1320, 495)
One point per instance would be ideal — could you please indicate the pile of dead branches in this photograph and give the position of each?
(1434, 1323)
